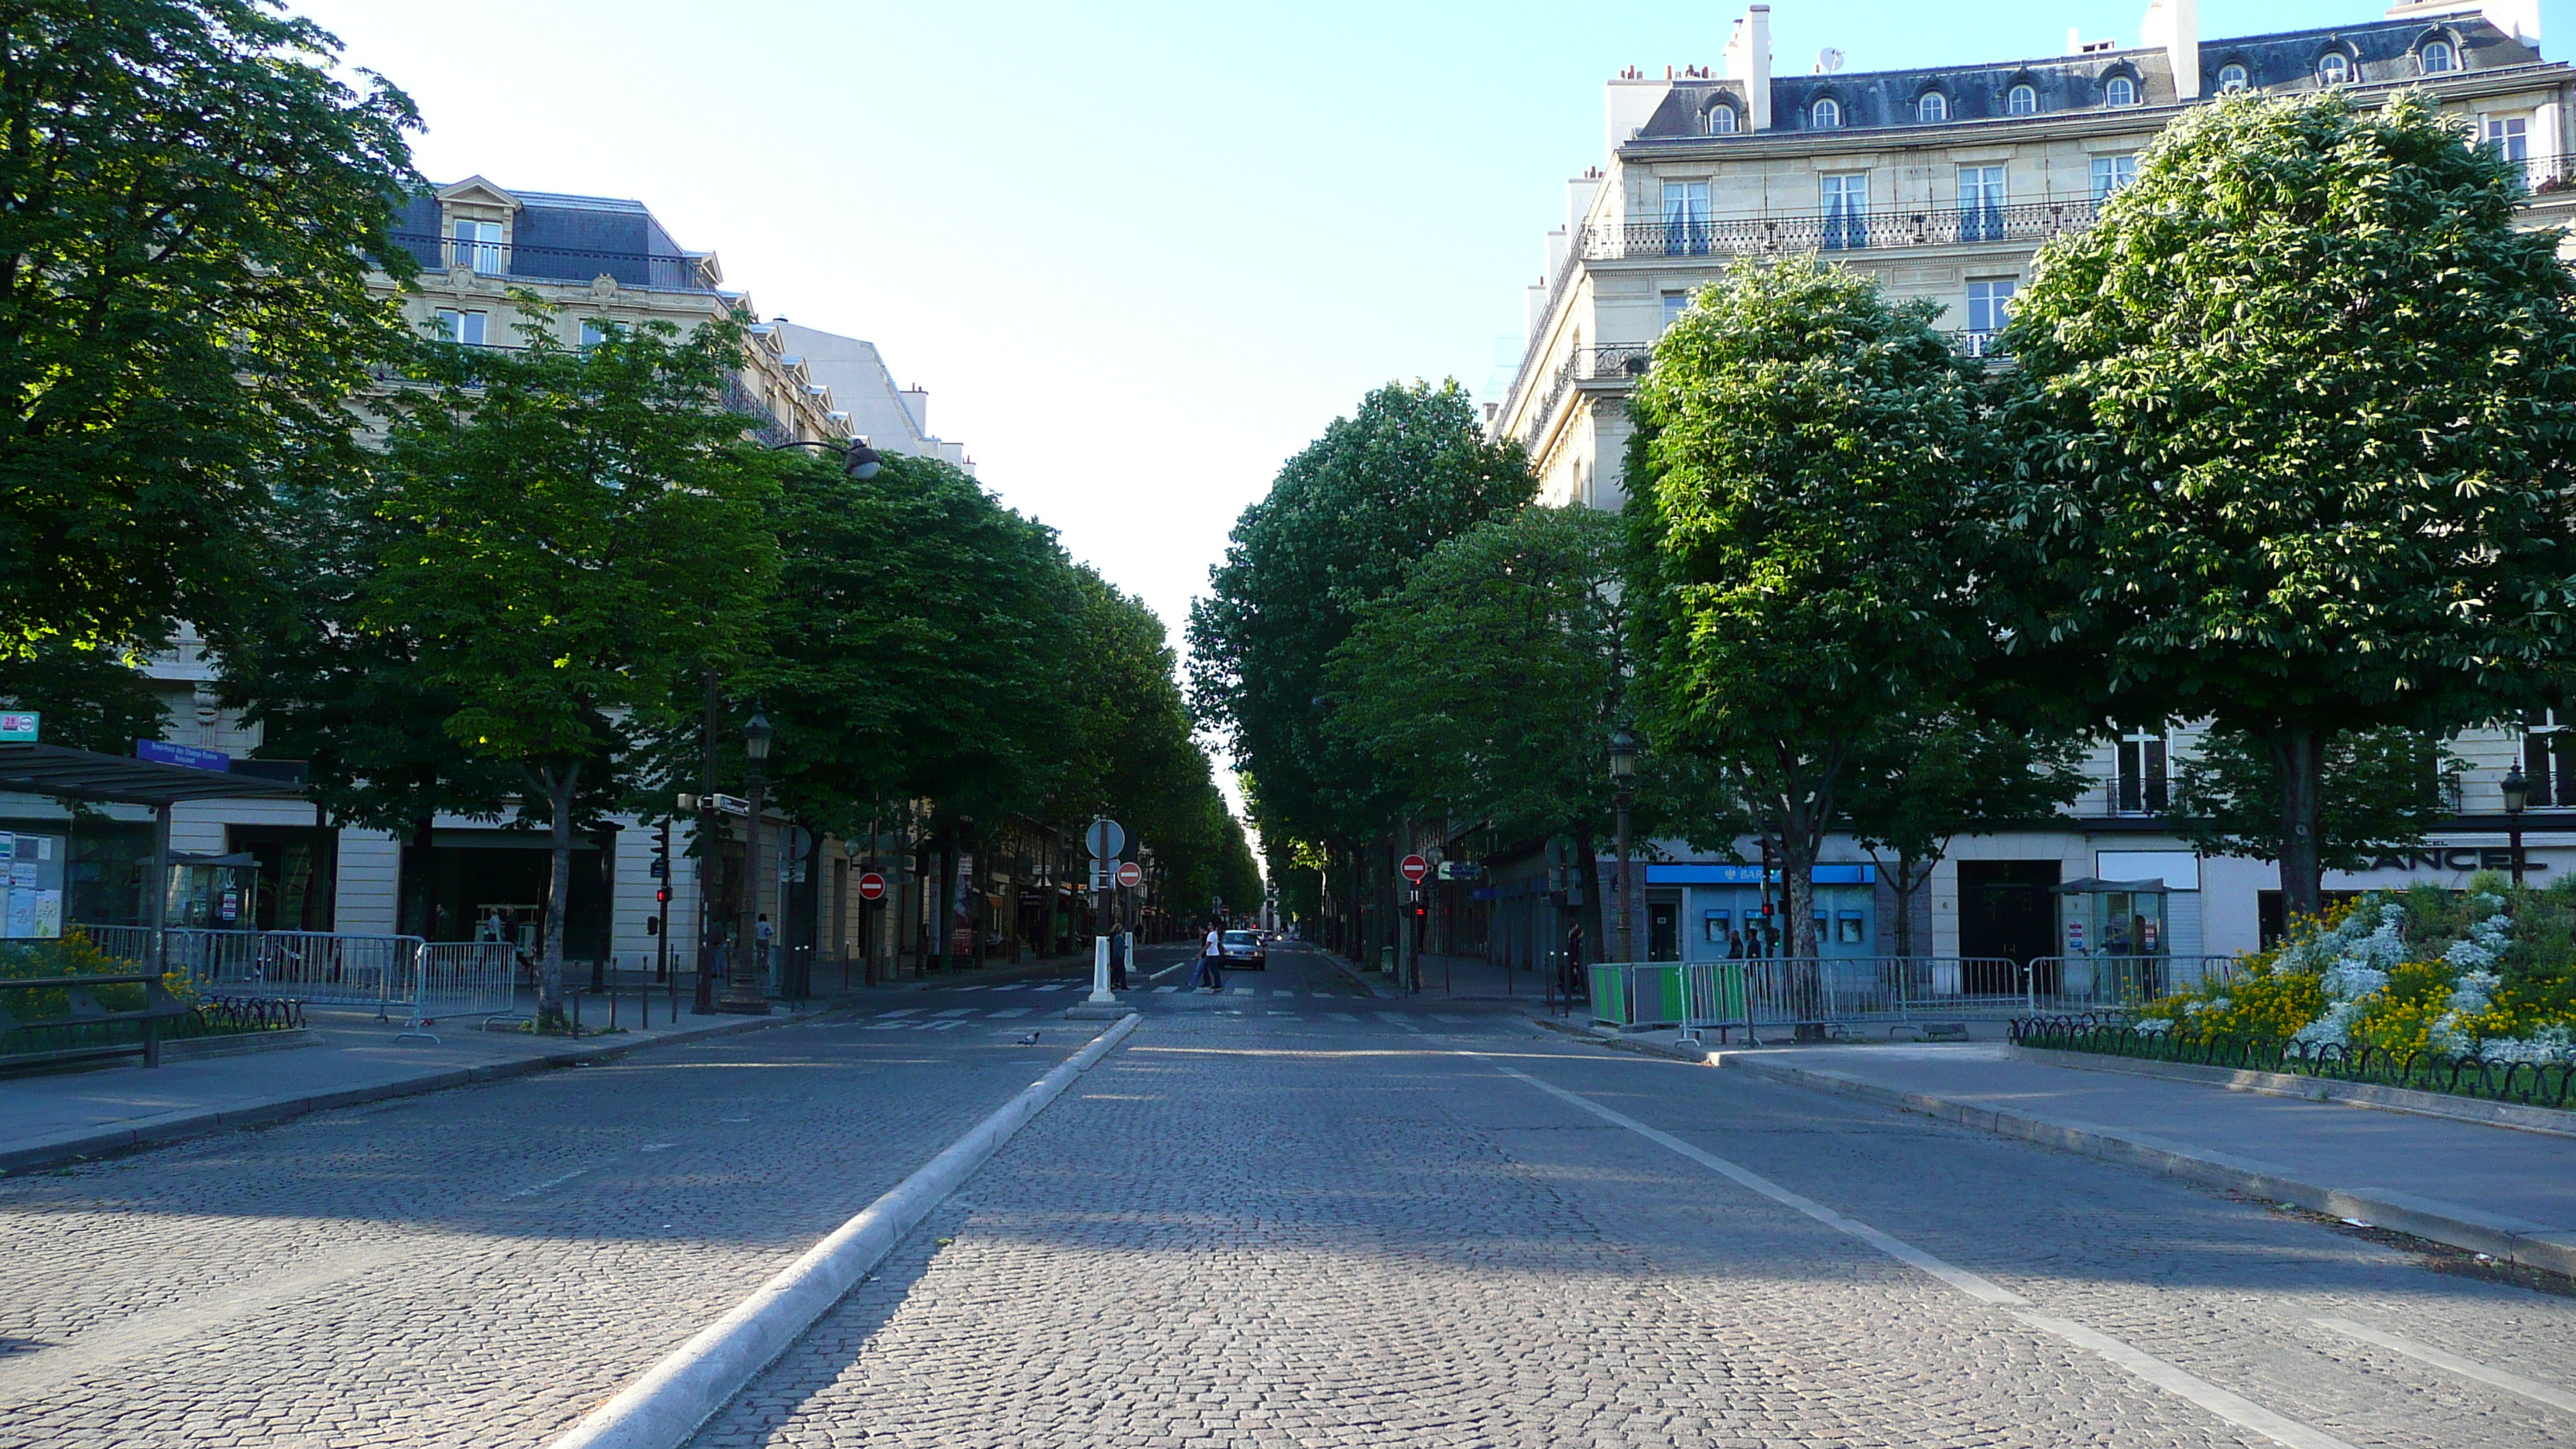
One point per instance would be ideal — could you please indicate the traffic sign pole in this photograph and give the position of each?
(1104, 840)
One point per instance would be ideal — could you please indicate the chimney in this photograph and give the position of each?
(1748, 60)
(916, 401)
(2175, 25)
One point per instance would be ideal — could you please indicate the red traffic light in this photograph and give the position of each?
(662, 896)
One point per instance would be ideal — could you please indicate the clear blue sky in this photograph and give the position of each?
(1139, 253)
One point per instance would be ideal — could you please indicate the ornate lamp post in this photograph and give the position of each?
(2517, 796)
(747, 993)
(1623, 778)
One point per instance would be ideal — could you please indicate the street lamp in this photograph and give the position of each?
(2517, 795)
(1623, 778)
(857, 459)
(747, 993)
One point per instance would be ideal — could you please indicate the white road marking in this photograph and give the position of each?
(1008, 1011)
(903, 1011)
(1397, 1018)
(1341, 1016)
(1283, 993)
(1445, 1016)
(2236, 1409)
(955, 1011)
(2511, 1383)
(889, 1026)
(941, 1025)
(1051, 986)
(1160, 990)
(535, 1188)
(1240, 991)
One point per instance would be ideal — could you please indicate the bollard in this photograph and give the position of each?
(612, 1006)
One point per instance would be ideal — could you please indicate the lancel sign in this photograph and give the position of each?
(2491, 858)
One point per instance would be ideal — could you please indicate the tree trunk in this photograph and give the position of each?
(561, 783)
(2298, 756)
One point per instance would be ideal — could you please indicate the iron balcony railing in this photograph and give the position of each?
(1777, 234)
(527, 262)
(1586, 364)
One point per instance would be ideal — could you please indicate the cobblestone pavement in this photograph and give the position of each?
(474, 1267)
(1254, 1226)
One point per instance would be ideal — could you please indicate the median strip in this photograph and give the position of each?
(674, 1397)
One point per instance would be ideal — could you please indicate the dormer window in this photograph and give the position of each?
(1721, 119)
(1826, 114)
(478, 245)
(2232, 77)
(2119, 91)
(1933, 107)
(2023, 101)
(2333, 69)
(2439, 58)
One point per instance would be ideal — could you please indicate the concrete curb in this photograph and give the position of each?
(2548, 1121)
(2536, 1245)
(173, 1126)
(1365, 979)
(666, 1406)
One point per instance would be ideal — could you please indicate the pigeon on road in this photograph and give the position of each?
(1030, 1040)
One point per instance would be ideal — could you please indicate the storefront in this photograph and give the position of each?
(1721, 914)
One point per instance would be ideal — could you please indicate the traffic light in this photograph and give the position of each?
(662, 896)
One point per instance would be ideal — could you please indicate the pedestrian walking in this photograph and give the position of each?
(1120, 943)
(1211, 953)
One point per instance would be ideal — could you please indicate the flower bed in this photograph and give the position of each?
(2488, 973)
(2532, 1083)
(2468, 992)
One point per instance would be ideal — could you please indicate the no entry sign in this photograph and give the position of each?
(871, 886)
(1415, 868)
(1130, 874)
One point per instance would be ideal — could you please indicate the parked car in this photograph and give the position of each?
(1245, 951)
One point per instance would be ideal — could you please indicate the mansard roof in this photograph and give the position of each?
(555, 237)
(2380, 51)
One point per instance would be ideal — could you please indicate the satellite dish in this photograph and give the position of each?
(1828, 60)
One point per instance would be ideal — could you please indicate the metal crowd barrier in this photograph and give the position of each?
(122, 943)
(1799, 991)
(463, 978)
(2075, 984)
(315, 967)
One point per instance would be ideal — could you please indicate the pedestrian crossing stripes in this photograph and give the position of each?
(912, 1018)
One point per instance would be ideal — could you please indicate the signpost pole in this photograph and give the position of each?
(1103, 840)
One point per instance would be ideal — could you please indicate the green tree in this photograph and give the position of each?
(2378, 791)
(190, 206)
(1805, 581)
(1487, 686)
(1923, 783)
(2296, 415)
(1342, 524)
(92, 696)
(570, 527)
(353, 700)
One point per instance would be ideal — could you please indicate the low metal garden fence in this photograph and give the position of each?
(2531, 1083)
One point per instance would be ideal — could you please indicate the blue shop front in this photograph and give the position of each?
(1719, 909)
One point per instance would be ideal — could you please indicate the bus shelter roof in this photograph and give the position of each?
(69, 774)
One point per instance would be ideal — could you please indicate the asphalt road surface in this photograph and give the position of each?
(1290, 1214)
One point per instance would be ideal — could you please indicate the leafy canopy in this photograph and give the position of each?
(190, 206)
(1487, 687)
(1342, 524)
(2298, 413)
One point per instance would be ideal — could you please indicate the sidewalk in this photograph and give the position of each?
(58, 1116)
(2489, 1189)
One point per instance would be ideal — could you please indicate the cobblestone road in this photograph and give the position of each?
(1285, 1215)
(475, 1267)
(1279, 1228)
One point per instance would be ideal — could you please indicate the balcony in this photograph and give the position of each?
(521, 262)
(1795, 233)
(1586, 364)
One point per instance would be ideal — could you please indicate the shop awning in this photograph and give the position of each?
(69, 774)
(2089, 886)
